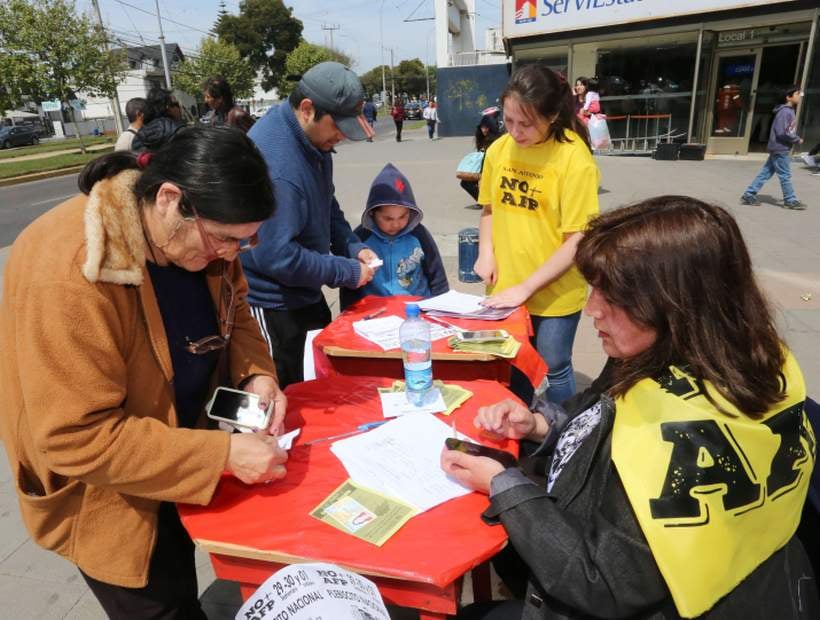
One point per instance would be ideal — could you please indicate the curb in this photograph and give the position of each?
(36, 176)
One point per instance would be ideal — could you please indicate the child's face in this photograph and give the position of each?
(794, 100)
(391, 219)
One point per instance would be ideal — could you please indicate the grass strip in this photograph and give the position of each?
(53, 145)
(17, 168)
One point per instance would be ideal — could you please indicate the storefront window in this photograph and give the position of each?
(646, 86)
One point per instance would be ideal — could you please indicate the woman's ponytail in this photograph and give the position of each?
(105, 167)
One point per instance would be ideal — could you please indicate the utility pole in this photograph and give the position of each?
(115, 100)
(164, 53)
(331, 28)
(381, 49)
(392, 78)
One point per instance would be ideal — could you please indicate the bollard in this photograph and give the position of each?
(467, 254)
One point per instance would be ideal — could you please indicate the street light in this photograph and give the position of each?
(381, 48)
(427, 61)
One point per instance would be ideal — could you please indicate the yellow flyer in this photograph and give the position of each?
(363, 513)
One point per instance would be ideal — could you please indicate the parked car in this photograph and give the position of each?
(412, 110)
(260, 112)
(17, 136)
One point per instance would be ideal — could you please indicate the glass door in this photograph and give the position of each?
(735, 77)
(779, 69)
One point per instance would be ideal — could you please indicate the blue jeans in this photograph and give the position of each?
(777, 163)
(554, 337)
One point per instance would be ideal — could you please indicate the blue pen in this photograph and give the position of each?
(360, 428)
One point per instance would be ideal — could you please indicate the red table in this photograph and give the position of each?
(338, 349)
(252, 531)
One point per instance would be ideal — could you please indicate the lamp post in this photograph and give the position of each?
(427, 62)
(381, 49)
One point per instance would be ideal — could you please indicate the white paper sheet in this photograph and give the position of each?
(384, 331)
(286, 441)
(401, 459)
(454, 302)
(395, 404)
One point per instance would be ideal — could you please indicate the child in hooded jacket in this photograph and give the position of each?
(391, 227)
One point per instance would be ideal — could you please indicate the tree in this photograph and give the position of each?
(49, 51)
(264, 32)
(215, 58)
(303, 58)
(409, 76)
(372, 80)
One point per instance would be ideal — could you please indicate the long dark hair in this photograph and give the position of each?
(679, 266)
(219, 170)
(548, 94)
(218, 87)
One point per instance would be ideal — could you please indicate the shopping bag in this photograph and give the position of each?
(469, 168)
(598, 132)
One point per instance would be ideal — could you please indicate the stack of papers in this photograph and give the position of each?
(384, 331)
(454, 395)
(507, 348)
(401, 459)
(463, 305)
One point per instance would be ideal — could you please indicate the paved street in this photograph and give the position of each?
(785, 247)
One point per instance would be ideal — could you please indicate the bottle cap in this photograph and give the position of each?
(412, 310)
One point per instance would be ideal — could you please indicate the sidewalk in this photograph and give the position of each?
(785, 247)
(47, 154)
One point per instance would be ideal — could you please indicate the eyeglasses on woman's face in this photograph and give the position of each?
(236, 244)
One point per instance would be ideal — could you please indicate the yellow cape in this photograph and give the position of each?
(715, 494)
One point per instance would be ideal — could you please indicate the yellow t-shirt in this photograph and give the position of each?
(537, 195)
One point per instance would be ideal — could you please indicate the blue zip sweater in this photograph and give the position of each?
(412, 263)
(307, 241)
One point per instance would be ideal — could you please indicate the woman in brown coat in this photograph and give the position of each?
(118, 306)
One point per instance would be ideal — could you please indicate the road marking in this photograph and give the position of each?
(42, 202)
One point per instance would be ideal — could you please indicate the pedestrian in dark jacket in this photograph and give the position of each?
(161, 121)
(676, 483)
(391, 227)
(370, 112)
(782, 138)
(307, 244)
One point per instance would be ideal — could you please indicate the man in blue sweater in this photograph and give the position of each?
(782, 138)
(307, 243)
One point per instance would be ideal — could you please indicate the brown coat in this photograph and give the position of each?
(87, 413)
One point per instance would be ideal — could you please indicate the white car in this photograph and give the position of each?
(260, 112)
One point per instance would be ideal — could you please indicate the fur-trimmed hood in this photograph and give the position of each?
(115, 244)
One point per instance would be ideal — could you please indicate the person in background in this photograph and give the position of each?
(431, 116)
(397, 112)
(112, 335)
(486, 132)
(675, 484)
(539, 189)
(163, 118)
(370, 113)
(135, 111)
(218, 96)
(782, 137)
(307, 244)
(391, 227)
(587, 99)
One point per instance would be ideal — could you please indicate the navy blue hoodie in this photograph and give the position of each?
(412, 263)
(307, 241)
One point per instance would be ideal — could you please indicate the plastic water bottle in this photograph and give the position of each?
(414, 335)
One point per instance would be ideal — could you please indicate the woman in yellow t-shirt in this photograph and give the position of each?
(539, 188)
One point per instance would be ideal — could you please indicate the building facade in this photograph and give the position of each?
(705, 71)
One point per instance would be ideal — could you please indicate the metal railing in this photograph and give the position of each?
(641, 135)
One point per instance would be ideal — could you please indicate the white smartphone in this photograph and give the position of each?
(483, 335)
(238, 408)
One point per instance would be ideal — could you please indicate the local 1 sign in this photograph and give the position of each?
(528, 17)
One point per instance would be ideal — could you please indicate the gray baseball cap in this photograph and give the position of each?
(334, 88)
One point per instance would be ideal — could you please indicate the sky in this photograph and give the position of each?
(357, 22)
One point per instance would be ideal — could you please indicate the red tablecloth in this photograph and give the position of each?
(340, 333)
(435, 547)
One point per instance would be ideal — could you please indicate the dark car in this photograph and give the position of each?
(412, 111)
(17, 136)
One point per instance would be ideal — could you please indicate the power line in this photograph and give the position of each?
(141, 10)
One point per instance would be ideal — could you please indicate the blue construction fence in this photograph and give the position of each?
(463, 92)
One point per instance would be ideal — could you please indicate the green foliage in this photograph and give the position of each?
(49, 51)
(264, 32)
(215, 58)
(303, 58)
(58, 162)
(372, 80)
(408, 77)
